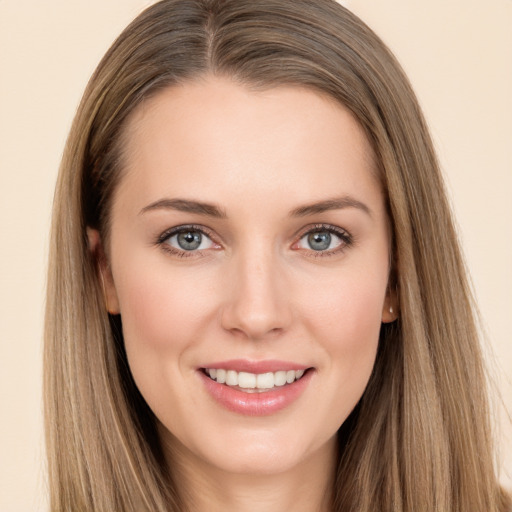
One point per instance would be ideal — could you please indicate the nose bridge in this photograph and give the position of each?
(256, 303)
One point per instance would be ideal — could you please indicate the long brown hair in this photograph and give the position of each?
(420, 437)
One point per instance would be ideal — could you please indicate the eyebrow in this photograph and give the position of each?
(186, 205)
(211, 210)
(337, 203)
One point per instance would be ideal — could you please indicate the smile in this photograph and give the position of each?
(255, 388)
(254, 382)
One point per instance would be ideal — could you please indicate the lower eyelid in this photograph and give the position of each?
(340, 243)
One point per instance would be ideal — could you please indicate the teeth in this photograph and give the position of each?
(280, 378)
(232, 378)
(221, 376)
(265, 380)
(247, 380)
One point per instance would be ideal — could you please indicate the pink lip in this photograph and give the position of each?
(256, 404)
(244, 365)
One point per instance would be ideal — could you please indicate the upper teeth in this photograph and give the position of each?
(254, 380)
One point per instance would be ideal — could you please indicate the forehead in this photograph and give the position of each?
(217, 135)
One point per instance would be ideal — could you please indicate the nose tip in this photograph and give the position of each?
(253, 326)
(256, 305)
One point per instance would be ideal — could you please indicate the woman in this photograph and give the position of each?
(256, 298)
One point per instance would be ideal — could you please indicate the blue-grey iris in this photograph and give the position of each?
(319, 241)
(189, 240)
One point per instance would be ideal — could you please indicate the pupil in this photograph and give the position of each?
(319, 241)
(189, 240)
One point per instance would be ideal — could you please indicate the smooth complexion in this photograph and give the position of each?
(249, 228)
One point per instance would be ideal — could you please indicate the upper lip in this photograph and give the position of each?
(264, 366)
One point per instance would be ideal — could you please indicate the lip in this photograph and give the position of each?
(244, 365)
(261, 403)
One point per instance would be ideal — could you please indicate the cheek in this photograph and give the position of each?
(162, 310)
(164, 315)
(346, 321)
(349, 310)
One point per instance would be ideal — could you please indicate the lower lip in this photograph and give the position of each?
(256, 404)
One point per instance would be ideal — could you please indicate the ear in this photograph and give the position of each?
(390, 307)
(104, 273)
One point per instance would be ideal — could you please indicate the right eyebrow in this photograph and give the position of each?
(186, 205)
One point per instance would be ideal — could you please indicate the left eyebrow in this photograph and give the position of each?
(337, 203)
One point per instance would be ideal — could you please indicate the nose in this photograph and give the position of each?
(257, 302)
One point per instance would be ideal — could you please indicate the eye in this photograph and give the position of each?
(325, 239)
(186, 239)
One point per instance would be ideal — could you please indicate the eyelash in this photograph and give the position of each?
(166, 235)
(346, 238)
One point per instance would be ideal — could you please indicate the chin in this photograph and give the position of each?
(257, 452)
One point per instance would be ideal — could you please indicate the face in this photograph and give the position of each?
(249, 244)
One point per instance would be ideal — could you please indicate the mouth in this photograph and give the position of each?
(255, 388)
(247, 382)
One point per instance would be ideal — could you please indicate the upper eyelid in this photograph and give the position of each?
(184, 227)
(322, 227)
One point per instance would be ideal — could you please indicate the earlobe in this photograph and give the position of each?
(390, 308)
(105, 277)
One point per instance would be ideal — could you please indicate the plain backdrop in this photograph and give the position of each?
(458, 54)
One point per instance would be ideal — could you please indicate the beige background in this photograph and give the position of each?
(458, 54)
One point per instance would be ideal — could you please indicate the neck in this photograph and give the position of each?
(307, 487)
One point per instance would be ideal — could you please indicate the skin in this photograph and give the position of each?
(255, 289)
